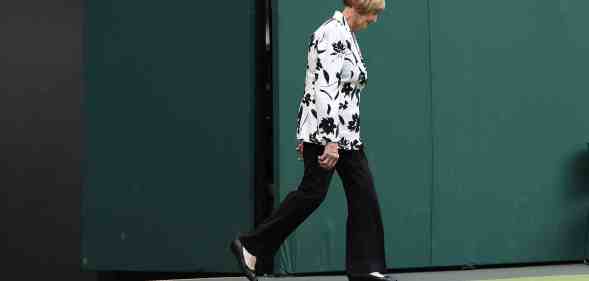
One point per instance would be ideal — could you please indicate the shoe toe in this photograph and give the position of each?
(237, 249)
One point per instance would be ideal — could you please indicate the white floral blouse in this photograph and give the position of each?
(330, 107)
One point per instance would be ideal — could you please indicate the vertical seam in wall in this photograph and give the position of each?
(585, 257)
(254, 109)
(275, 53)
(274, 91)
(275, 95)
(431, 129)
(84, 163)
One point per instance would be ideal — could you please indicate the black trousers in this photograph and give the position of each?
(364, 229)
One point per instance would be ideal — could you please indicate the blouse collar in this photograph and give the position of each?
(339, 17)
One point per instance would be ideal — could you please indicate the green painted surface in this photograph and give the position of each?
(395, 127)
(547, 278)
(474, 119)
(169, 112)
(510, 109)
(474, 169)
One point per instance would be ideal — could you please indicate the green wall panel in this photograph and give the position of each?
(169, 111)
(396, 126)
(474, 119)
(510, 116)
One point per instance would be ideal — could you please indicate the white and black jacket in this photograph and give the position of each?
(330, 107)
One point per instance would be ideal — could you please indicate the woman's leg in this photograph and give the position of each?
(294, 209)
(365, 236)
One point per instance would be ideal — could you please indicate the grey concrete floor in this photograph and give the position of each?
(450, 275)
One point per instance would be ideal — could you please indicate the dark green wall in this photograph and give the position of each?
(169, 112)
(395, 124)
(483, 105)
(474, 120)
(510, 109)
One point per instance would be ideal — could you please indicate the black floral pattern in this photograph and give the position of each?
(338, 47)
(325, 93)
(356, 94)
(299, 115)
(306, 99)
(356, 144)
(313, 138)
(355, 58)
(312, 42)
(343, 142)
(347, 89)
(319, 66)
(327, 125)
(329, 110)
(354, 125)
(362, 78)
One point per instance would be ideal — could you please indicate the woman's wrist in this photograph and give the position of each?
(333, 145)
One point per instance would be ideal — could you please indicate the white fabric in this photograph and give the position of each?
(330, 107)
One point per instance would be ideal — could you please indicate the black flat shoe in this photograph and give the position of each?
(237, 250)
(369, 277)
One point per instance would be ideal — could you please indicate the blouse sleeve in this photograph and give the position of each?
(330, 59)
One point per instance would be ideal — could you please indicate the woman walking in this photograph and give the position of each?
(328, 134)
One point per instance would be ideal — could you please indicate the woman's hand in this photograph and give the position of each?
(299, 149)
(329, 157)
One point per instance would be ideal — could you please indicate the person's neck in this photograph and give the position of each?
(350, 16)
